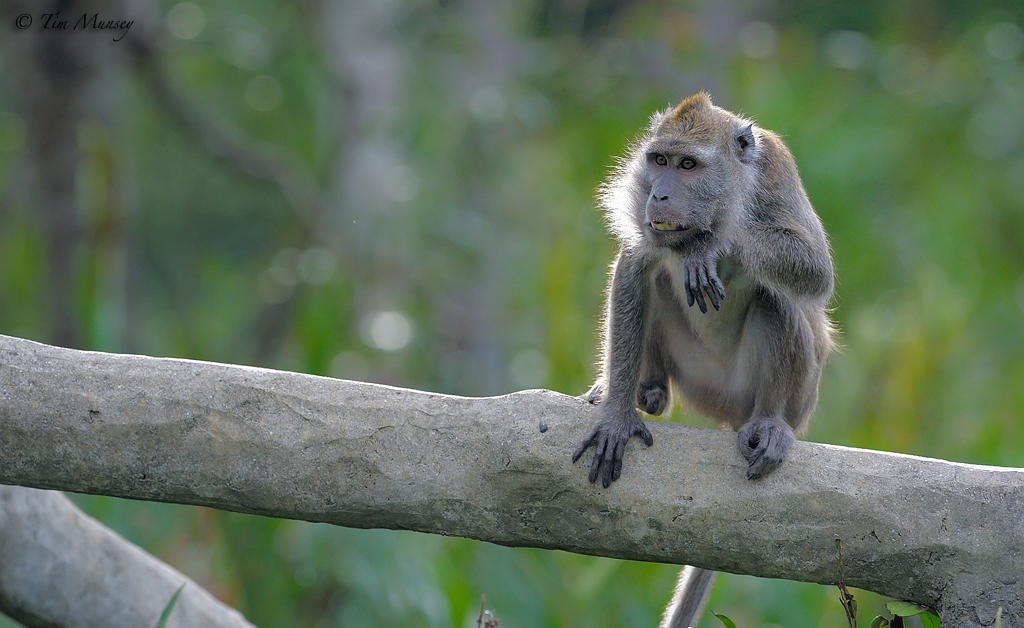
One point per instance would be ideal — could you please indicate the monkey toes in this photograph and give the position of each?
(764, 442)
(652, 397)
(594, 394)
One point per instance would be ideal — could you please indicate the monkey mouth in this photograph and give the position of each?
(667, 226)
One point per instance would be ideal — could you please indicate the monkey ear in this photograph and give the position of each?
(745, 144)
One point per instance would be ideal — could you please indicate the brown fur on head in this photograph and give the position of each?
(694, 106)
(697, 122)
(696, 118)
(695, 128)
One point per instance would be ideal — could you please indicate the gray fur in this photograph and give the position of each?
(693, 588)
(710, 212)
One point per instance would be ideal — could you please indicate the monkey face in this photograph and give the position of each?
(689, 174)
(697, 159)
(688, 194)
(666, 212)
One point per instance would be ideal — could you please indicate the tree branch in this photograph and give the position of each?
(297, 446)
(60, 567)
(225, 141)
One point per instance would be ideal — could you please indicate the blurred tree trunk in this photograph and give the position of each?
(66, 78)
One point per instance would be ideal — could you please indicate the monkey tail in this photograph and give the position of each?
(688, 599)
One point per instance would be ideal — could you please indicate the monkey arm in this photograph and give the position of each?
(617, 418)
(628, 299)
(792, 261)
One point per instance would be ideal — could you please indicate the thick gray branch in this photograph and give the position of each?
(361, 455)
(59, 567)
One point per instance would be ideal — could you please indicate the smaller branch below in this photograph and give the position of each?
(60, 567)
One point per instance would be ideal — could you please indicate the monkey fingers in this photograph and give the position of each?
(702, 278)
(595, 464)
(612, 458)
(603, 455)
(612, 474)
(693, 293)
(717, 281)
(600, 440)
(609, 438)
(591, 439)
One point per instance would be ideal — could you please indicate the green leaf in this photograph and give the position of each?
(930, 620)
(905, 609)
(879, 622)
(725, 620)
(170, 607)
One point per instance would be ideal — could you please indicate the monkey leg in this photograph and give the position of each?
(787, 373)
(652, 391)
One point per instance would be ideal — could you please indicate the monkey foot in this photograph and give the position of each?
(652, 397)
(764, 442)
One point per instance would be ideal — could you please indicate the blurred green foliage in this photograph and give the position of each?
(453, 245)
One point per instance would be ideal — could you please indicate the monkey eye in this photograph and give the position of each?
(661, 160)
(687, 164)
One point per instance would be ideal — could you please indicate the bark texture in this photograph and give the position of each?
(497, 469)
(60, 567)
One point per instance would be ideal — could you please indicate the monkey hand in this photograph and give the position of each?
(764, 442)
(613, 429)
(700, 277)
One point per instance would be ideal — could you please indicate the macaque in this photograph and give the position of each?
(709, 210)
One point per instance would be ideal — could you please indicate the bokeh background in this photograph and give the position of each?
(401, 191)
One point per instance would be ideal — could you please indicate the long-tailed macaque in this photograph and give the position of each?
(709, 209)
